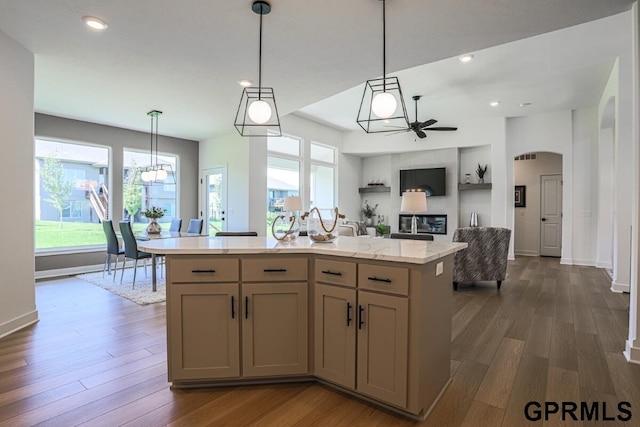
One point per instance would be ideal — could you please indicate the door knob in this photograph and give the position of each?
(543, 219)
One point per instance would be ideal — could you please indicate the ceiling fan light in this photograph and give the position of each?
(259, 111)
(384, 105)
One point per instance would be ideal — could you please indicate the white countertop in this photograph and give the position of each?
(398, 250)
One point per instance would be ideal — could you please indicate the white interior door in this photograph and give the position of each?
(551, 215)
(213, 183)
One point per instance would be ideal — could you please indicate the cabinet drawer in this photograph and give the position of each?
(335, 272)
(393, 280)
(200, 269)
(276, 269)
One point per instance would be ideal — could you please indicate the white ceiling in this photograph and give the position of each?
(185, 58)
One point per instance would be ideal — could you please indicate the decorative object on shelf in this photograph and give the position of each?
(257, 113)
(287, 227)
(368, 212)
(156, 172)
(153, 213)
(413, 201)
(318, 229)
(519, 198)
(473, 221)
(382, 230)
(480, 172)
(379, 110)
(467, 178)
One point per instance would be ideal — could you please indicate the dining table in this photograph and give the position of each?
(144, 236)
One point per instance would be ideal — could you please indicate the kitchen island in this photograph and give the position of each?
(371, 317)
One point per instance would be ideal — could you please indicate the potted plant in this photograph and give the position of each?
(368, 212)
(153, 213)
(480, 172)
(382, 230)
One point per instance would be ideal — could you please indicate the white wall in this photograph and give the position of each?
(526, 229)
(246, 161)
(17, 289)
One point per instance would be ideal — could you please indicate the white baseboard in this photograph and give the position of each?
(620, 287)
(631, 353)
(72, 271)
(601, 264)
(522, 252)
(584, 262)
(18, 323)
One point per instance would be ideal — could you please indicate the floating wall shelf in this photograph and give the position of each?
(375, 189)
(462, 187)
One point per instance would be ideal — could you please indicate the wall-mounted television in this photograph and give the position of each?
(432, 181)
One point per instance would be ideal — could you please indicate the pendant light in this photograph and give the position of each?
(156, 172)
(257, 113)
(379, 111)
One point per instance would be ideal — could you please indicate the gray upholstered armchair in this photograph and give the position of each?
(486, 256)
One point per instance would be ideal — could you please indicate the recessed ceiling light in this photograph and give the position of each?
(525, 104)
(466, 58)
(245, 82)
(95, 23)
(494, 103)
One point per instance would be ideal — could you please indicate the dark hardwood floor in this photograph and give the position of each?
(552, 333)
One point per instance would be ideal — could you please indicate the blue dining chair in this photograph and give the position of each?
(195, 226)
(176, 224)
(131, 250)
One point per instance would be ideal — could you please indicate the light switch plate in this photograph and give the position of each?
(439, 268)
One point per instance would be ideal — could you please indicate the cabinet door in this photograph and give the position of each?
(382, 347)
(204, 331)
(274, 329)
(335, 334)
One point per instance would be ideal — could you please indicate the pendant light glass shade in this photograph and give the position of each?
(379, 111)
(257, 113)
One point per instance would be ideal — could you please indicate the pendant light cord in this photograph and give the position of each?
(260, 58)
(151, 148)
(384, 48)
(156, 140)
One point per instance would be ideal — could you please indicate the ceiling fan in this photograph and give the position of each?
(420, 127)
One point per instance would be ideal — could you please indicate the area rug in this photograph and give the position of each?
(142, 294)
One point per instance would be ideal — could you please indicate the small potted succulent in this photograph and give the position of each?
(153, 213)
(480, 172)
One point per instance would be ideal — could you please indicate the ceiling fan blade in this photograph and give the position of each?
(441, 128)
(427, 123)
(421, 134)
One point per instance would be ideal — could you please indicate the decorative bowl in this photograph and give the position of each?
(323, 238)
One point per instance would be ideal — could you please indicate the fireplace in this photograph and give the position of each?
(431, 224)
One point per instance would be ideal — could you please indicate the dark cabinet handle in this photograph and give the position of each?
(275, 270)
(333, 273)
(376, 279)
(203, 271)
(246, 307)
(349, 313)
(360, 319)
(233, 307)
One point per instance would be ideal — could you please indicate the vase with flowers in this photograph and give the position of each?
(368, 212)
(154, 213)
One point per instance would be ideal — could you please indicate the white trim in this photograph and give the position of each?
(620, 287)
(18, 323)
(585, 262)
(607, 264)
(70, 250)
(71, 271)
(566, 261)
(631, 353)
(525, 252)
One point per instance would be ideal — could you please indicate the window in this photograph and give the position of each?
(283, 174)
(322, 176)
(71, 194)
(298, 168)
(138, 196)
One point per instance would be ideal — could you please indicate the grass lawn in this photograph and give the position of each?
(50, 235)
